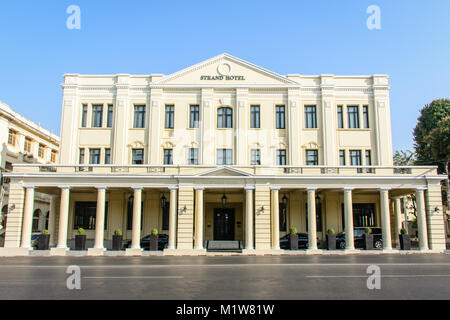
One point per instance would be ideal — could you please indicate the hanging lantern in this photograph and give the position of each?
(224, 200)
(163, 201)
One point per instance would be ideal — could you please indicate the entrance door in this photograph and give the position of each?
(223, 224)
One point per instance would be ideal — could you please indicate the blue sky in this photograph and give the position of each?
(306, 37)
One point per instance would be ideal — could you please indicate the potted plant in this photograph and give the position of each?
(80, 240)
(44, 240)
(331, 239)
(368, 239)
(405, 240)
(154, 240)
(293, 239)
(117, 240)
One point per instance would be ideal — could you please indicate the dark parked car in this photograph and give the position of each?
(163, 242)
(302, 241)
(359, 240)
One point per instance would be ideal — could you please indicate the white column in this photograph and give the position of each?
(348, 213)
(52, 220)
(27, 218)
(136, 232)
(199, 217)
(173, 218)
(249, 218)
(275, 219)
(100, 219)
(398, 218)
(385, 219)
(63, 218)
(312, 224)
(421, 220)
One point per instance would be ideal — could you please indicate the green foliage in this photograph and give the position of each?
(154, 232)
(81, 231)
(117, 232)
(432, 134)
(45, 232)
(404, 231)
(293, 230)
(331, 231)
(404, 158)
(368, 230)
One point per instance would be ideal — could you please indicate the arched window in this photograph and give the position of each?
(225, 117)
(4, 216)
(36, 217)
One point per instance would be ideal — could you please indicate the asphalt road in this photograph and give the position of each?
(227, 278)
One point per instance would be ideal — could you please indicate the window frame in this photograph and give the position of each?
(315, 155)
(92, 156)
(194, 156)
(224, 118)
(255, 117)
(281, 155)
(110, 116)
(255, 157)
(168, 157)
(97, 116)
(353, 117)
(169, 118)
(139, 116)
(310, 117)
(12, 137)
(225, 155)
(194, 116)
(134, 153)
(280, 117)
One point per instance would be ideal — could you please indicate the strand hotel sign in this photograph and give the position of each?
(224, 71)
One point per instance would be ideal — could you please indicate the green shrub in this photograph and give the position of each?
(331, 232)
(45, 232)
(293, 230)
(154, 232)
(117, 232)
(368, 231)
(404, 231)
(81, 231)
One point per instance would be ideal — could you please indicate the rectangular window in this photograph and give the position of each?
(137, 156)
(355, 159)
(94, 156)
(165, 216)
(193, 156)
(168, 160)
(310, 117)
(281, 157)
(366, 117)
(312, 157)
(225, 157)
(97, 116)
(368, 158)
(170, 114)
(225, 118)
(53, 156)
(340, 116)
(85, 215)
(254, 117)
(194, 117)
(109, 120)
(41, 152)
(256, 157)
(139, 117)
(27, 147)
(81, 159)
(107, 156)
(84, 116)
(281, 117)
(342, 157)
(283, 217)
(353, 117)
(12, 136)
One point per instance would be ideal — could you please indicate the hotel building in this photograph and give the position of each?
(23, 141)
(224, 150)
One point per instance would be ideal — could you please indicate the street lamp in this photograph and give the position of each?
(285, 201)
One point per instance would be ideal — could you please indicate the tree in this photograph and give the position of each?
(432, 137)
(404, 158)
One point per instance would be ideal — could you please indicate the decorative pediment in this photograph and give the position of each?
(225, 70)
(167, 145)
(310, 145)
(224, 171)
(137, 144)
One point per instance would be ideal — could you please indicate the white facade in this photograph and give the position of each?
(23, 141)
(226, 127)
